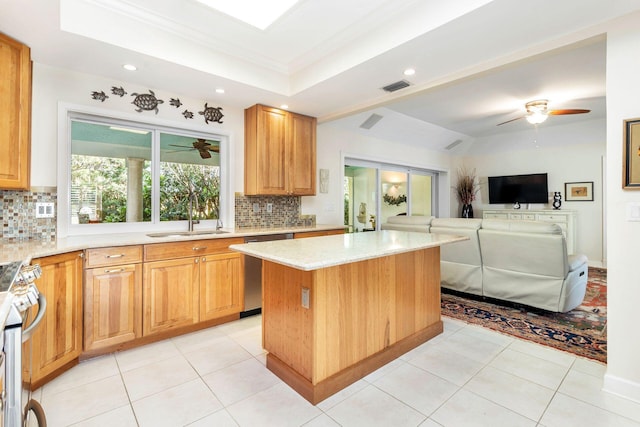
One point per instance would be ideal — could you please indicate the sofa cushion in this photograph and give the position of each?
(410, 220)
(531, 253)
(473, 223)
(408, 223)
(460, 262)
(464, 252)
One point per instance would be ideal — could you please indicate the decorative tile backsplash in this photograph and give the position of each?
(18, 214)
(253, 212)
(19, 222)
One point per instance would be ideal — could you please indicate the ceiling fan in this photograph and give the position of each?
(537, 112)
(203, 147)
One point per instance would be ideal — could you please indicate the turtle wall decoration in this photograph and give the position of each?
(211, 114)
(99, 96)
(118, 91)
(150, 102)
(146, 101)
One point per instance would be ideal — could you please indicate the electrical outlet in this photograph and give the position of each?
(256, 207)
(269, 207)
(305, 297)
(45, 210)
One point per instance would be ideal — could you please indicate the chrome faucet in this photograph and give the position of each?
(191, 220)
(218, 224)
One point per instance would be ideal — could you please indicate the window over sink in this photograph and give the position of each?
(133, 176)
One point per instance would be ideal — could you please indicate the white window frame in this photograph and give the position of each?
(64, 227)
(440, 185)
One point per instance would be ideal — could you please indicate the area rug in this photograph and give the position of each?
(581, 331)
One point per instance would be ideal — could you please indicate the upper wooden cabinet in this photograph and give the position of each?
(280, 152)
(15, 114)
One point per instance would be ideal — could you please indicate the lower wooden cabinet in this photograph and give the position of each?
(221, 285)
(170, 294)
(181, 292)
(128, 293)
(112, 305)
(57, 341)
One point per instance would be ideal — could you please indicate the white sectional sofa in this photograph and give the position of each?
(460, 264)
(408, 223)
(519, 261)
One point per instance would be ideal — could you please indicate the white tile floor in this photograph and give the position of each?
(468, 376)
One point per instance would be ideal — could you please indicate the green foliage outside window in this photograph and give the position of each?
(99, 184)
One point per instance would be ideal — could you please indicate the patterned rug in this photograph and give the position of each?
(582, 331)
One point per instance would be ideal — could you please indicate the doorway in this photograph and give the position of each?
(374, 192)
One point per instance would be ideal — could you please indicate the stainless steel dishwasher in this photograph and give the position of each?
(253, 275)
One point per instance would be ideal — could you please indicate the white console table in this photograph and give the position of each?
(566, 219)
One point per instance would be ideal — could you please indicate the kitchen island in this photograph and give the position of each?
(336, 308)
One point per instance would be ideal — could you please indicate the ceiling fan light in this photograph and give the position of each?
(536, 117)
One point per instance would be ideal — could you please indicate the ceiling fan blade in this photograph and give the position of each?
(205, 154)
(567, 111)
(509, 121)
(181, 146)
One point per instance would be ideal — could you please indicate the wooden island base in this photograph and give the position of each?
(360, 316)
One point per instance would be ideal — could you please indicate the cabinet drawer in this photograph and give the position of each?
(114, 255)
(517, 216)
(160, 251)
(529, 217)
(491, 215)
(552, 218)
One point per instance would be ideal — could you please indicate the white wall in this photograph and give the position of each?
(334, 144)
(53, 87)
(623, 281)
(567, 153)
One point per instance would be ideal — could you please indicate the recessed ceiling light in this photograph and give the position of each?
(284, 106)
(258, 13)
(129, 67)
(409, 72)
(219, 90)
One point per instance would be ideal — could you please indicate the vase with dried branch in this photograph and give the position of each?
(466, 189)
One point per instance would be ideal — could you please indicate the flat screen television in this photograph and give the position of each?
(531, 188)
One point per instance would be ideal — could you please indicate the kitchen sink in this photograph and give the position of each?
(186, 233)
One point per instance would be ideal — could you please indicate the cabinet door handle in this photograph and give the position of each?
(196, 260)
(204, 259)
(199, 248)
(117, 270)
(114, 256)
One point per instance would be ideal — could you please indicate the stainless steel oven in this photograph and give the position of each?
(18, 298)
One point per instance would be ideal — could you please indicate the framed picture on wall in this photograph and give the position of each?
(578, 191)
(631, 155)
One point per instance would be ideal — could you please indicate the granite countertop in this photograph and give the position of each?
(24, 251)
(328, 251)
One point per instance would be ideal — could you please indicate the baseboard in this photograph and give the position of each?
(622, 387)
(596, 264)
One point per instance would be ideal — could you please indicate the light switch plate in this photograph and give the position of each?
(45, 210)
(256, 207)
(269, 207)
(633, 211)
(305, 297)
